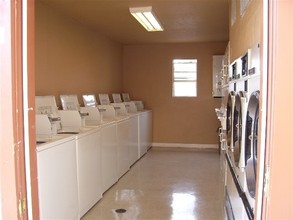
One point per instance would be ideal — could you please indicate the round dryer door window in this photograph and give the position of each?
(251, 140)
(237, 126)
(229, 119)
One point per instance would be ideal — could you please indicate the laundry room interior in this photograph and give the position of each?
(186, 121)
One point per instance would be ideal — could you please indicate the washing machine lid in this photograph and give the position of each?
(251, 142)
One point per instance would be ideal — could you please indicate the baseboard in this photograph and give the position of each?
(178, 145)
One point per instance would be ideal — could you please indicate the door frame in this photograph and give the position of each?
(14, 143)
(278, 199)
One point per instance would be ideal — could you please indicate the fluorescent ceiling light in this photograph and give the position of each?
(146, 18)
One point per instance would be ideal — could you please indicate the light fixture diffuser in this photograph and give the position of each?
(146, 18)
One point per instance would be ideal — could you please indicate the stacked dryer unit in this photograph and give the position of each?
(242, 110)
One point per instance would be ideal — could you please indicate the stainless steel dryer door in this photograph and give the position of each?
(251, 140)
(229, 119)
(237, 127)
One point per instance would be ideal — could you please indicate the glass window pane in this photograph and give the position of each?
(184, 89)
(184, 77)
(185, 67)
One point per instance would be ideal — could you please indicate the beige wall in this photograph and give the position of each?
(147, 76)
(246, 30)
(72, 59)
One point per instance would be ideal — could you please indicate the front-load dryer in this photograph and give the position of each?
(251, 147)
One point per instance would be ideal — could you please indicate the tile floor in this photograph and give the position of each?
(166, 184)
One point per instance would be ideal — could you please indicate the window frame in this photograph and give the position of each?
(184, 81)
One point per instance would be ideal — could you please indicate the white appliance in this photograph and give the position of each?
(131, 111)
(115, 151)
(133, 139)
(122, 143)
(123, 138)
(116, 98)
(108, 138)
(46, 105)
(89, 100)
(108, 125)
(129, 105)
(242, 157)
(104, 99)
(108, 130)
(88, 154)
(235, 174)
(57, 178)
(145, 132)
(87, 147)
(140, 127)
(70, 104)
(138, 103)
(144, 124)
(109, 155)
(125, 97)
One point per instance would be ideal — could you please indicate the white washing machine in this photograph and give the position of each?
(118, 113)
(57, 177)
(103, 116)
(88, 157)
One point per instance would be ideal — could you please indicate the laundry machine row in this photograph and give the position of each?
(102, 147)
(242, 113)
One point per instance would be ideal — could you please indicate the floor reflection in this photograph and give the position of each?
(183, 206)
(166, 184)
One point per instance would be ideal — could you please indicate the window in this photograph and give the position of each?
(184, 78)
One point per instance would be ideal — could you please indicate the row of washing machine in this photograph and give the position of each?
(240, 120)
